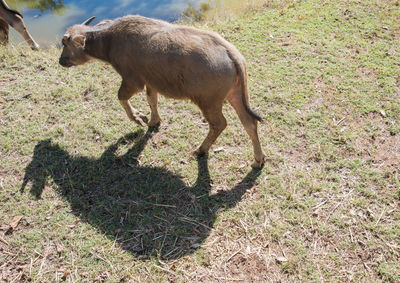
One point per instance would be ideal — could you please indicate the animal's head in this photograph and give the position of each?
(73, 53)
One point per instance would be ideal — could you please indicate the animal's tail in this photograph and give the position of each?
(5, 6)
(240, 65)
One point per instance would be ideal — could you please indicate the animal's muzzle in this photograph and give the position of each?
(64, 62)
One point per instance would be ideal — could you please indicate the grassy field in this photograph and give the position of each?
(85, 195)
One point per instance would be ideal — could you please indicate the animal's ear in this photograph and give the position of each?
(80, 40)
(66, 36)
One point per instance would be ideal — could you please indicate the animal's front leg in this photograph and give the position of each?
(19, 26)
(125, 92)
(152, 99)
(3, 32)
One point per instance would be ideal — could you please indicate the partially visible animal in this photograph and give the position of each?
(176, 61)
(10, 17)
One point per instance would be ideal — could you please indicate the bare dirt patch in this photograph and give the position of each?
(382, 148)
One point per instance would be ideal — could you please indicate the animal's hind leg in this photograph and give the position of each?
(125, 92)
(152, 99)
(217, 123)
(250, 125)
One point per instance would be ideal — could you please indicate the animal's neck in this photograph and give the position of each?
(97, 46)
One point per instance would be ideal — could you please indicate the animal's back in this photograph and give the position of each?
(176, 60)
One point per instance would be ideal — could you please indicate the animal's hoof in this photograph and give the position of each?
(258, 164)
(143, 118)
(139, 121)
(154, 124)
(35, 47)
(199, 152)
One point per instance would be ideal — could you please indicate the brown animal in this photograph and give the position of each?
(10, 17)
(176, 61)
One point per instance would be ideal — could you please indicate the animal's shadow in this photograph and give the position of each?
(149, 211)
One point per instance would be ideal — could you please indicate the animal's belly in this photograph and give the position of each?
(183, 83)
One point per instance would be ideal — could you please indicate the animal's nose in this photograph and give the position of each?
(64, 62)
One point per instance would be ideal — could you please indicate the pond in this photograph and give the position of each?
(47, 20)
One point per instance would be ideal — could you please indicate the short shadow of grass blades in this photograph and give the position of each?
(149, 210)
